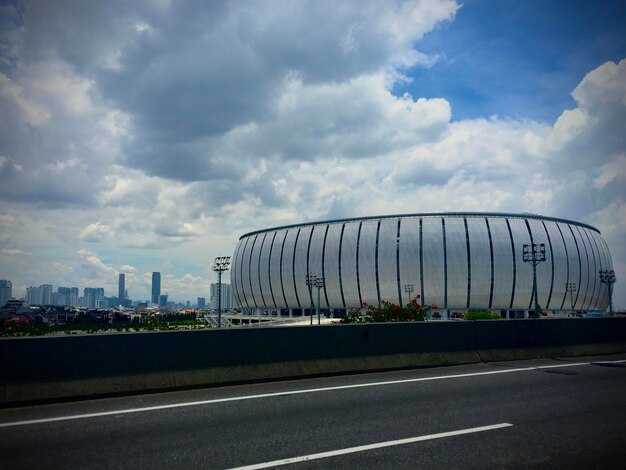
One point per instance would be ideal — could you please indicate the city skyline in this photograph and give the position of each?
(140, 138)
(51, 294)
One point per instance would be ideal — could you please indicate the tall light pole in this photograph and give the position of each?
(310, 282)
(408, 288)
(534, 254)
(221, 264)
(608, 277)
(319, 283)
(571, 288)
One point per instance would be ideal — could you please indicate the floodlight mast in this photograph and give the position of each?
(608, 277)
(319, 283)
(310, 282)
(534, 254)
(408, 288)
(220, 264)
(571, 288)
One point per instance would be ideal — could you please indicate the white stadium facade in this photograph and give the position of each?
(457, 261)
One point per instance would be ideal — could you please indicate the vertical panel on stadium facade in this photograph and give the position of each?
(273, 274)
(234, 273)
(503, 265)
(315, 260)
(348, 264)
(409, 257)
(262, 277)
(287, 267)
(303, 293)
(367, 262)
(585, 283)
(544, 269)
(480, 261)
(603, 262)
(458, 272)
(561, 268)
(245, 272)
(387, 266)
(593, 269)
(433, 258)
(331, 266)
(524, 271)
(575, 265)
(253, 269)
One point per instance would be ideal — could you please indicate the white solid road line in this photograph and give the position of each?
(296, 392)
(378, 445)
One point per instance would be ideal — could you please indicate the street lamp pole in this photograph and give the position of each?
(221, 264)
(408, 288)
(571, 288)
(319, 283)
(608, 277)
(534, 254)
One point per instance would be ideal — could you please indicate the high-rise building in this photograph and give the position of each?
(46, 294)
(156, 287)
(63, 296)
(6, 288)
(162, 300)
(74, 296)
(201, 302)
(226, 295)
(91, 295)
(33, 295)
(121, 291)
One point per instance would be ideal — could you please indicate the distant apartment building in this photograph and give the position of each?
(62, 296)
(91, 295)
(46, 294)
(162, 300)
(226, 295)
(33, 296)
(41, 295)
(121, 291)
(6, 288)
(201, 303)
(156, 287)
(74, 296)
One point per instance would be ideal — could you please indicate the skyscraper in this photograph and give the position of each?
(121, 291)
(156, 287)
(5, 291)
(46, 294)
(92, 295)
(226, 294)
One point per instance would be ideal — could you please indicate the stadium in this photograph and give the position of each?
(457, 261)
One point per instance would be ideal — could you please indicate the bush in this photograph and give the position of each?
(481, 315)
(388, 312)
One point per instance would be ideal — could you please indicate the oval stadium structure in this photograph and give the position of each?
(458, 261)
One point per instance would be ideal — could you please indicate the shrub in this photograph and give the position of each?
(481, 315)
(388, 312)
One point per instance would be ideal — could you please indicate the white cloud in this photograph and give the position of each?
(96, 232)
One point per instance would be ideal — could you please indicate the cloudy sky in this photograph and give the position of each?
(149, 135)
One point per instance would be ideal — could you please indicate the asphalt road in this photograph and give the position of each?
(526, 414)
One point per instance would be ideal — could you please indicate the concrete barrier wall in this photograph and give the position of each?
(70, 366)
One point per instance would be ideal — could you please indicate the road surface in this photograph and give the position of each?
(567, 413)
